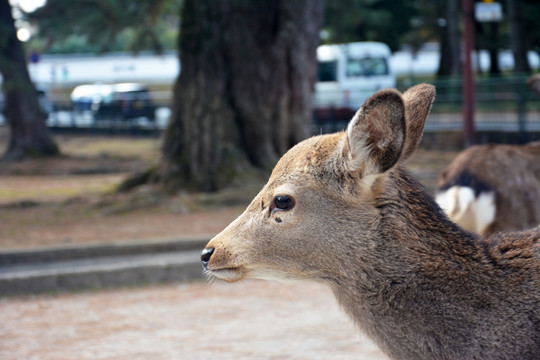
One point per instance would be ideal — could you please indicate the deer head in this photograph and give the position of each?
(318, 210)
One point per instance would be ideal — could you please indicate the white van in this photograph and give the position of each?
(349, 73)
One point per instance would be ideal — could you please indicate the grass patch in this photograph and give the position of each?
(18, 188)
(143, 148)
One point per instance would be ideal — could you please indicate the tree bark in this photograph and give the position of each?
(494, 66)
(244, 93)
(517, 36)
(450, 61)
(29, 136)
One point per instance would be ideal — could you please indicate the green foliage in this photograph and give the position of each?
(106, 25)
(368, 20)
(532, 28)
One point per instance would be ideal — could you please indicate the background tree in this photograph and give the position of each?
(518, 37)
(368, 20)
(450, 59)
(438, 21)
(245, 90)
(28, 134)
(396, 23)
(244, 93)
(105, 25)
(531, 12)
(491, 36)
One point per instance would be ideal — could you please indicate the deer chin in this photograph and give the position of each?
(231, 274)
(234, 274)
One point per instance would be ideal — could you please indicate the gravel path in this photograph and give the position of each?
(250, 320)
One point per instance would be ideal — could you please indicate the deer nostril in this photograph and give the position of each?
(205, 256)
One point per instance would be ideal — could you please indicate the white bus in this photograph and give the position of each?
(349, 73)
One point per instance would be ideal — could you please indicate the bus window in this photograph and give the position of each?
(327, 71)
(370, 66)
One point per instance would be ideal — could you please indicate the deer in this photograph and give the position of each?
(341, 209)
(491, 188)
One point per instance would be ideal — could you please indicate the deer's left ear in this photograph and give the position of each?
(376, 134)
(418, 101)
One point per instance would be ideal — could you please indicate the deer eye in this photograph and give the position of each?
(283, 202)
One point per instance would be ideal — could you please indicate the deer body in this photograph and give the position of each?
(424, 297)
(490, 188)
(342, 210)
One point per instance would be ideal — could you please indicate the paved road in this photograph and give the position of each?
(250, 320)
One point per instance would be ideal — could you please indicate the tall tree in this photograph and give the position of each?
(245, 90)
(244, 93)
(516, 19)
(450, 59)
(28, 134)
(368, 20)
(439, 21)
(99, 24)
(531, 12)
(493, 47)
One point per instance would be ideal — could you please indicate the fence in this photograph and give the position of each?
(502, 105)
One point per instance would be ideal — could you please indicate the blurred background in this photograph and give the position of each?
(133, 131)
(113, 65)
(117, 117)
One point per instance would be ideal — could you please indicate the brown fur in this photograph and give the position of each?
(512, 172)
(417, 284)
(534, 83)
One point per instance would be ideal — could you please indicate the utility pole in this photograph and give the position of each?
(468, 75)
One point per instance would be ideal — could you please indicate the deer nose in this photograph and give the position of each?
(206, 255)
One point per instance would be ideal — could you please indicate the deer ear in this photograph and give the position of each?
(375, 135)
(418, 101)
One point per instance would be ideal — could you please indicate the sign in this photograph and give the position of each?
(488, 11)
(34, 57)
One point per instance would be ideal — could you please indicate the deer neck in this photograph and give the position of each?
(413, 218)
(417, 251)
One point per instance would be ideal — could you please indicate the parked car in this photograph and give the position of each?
(124, 101)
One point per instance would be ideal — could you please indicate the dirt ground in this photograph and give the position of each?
(69, 200)
(253, 320)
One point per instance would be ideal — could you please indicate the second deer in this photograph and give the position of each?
(341, 209)
(490, 188)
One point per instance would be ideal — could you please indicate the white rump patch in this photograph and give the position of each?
(455, 201)
(471, 213)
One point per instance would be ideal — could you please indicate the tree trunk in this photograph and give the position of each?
(28, 134)
(450, 63)
(517, 36)
(493, 35)
(244, 93)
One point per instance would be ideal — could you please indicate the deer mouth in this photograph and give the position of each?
(230, 274)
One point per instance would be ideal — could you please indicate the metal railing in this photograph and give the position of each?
(501, 105)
